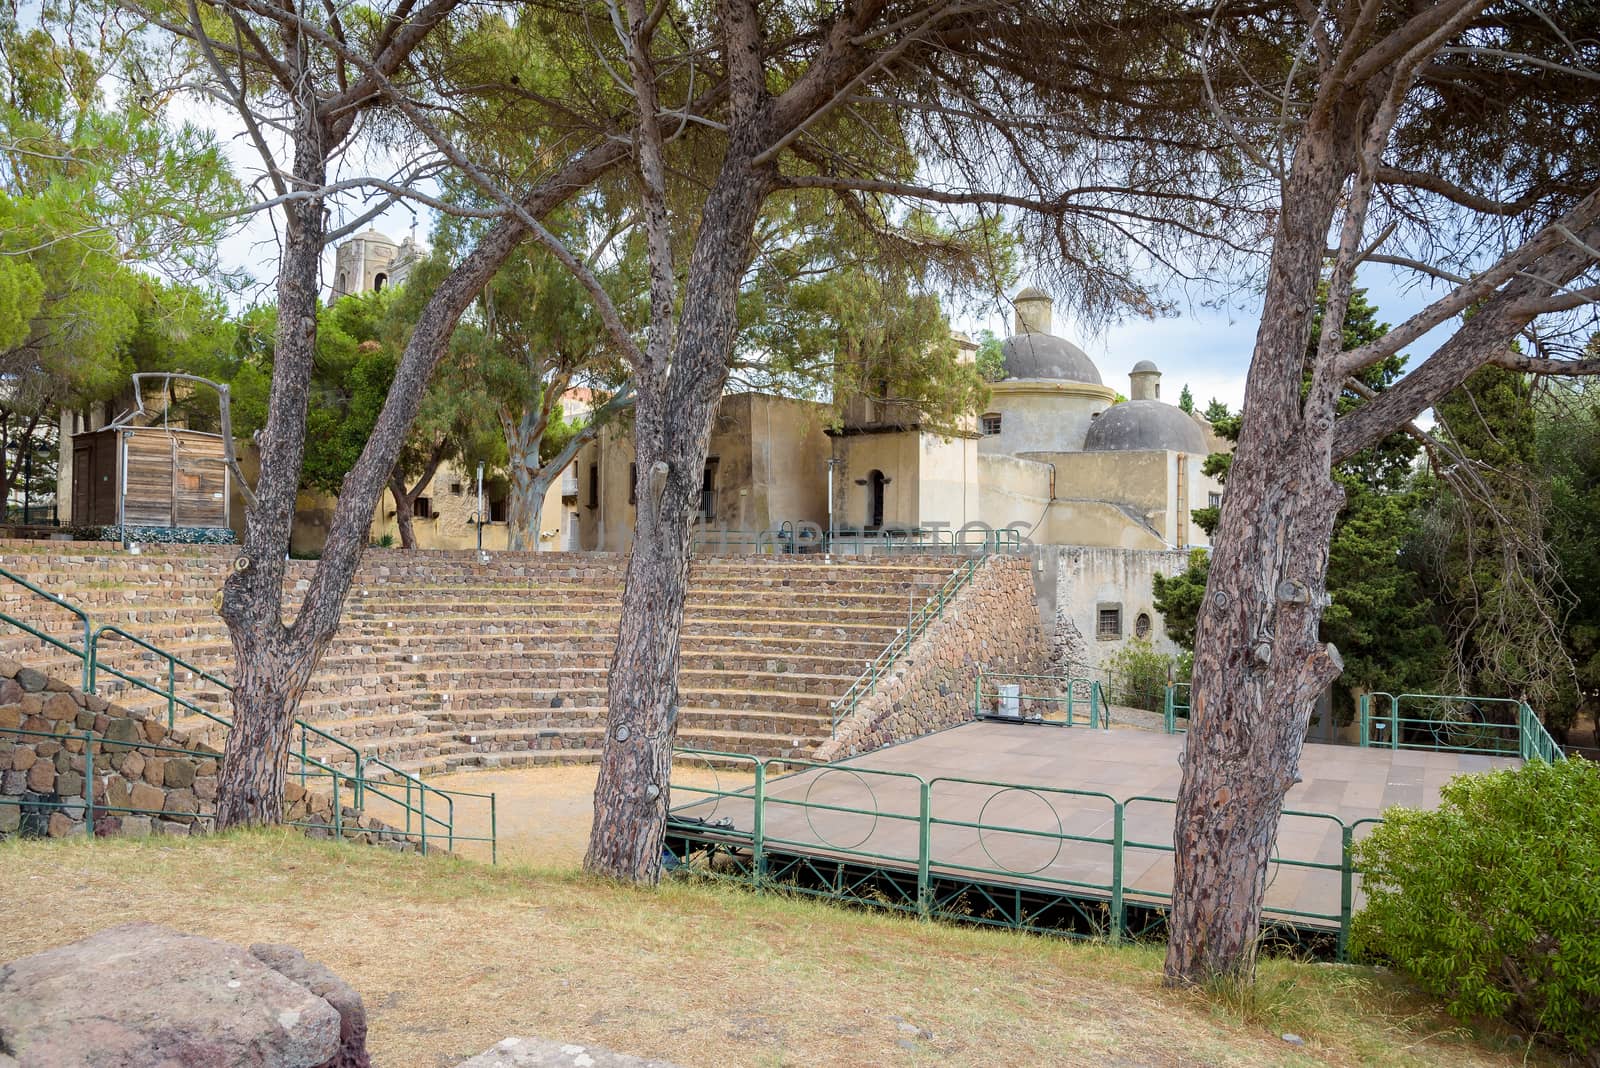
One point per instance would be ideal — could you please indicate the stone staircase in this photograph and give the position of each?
(442, 662)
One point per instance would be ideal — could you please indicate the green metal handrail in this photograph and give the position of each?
(1524, 737)
(984, 698)
(931, 611)
(83, 617)
(1116, 894)
(359, 783)
(1172, 707)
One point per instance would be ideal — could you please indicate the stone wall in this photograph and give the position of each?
(993, 625)
(55, 739)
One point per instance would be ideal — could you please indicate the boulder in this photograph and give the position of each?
(320, 980)
(542, 1053)
(142, 996)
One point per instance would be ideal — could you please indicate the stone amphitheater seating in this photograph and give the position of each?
(443, 662)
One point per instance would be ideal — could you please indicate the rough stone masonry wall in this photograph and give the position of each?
(146, 779)
(992, 625)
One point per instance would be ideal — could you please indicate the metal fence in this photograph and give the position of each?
(407, 796)
(1048, 699)
(887, 854)
(1454, 723)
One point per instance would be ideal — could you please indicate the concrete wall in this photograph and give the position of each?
(1043, 416)
(949, 488)
(1073, 583)
(898, 454)
(770, 455)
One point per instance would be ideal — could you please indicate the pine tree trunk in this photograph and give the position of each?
(1259, 663)
(672, 432)
(522, 509)
(256, 757)
(403, 506)
(268, 679)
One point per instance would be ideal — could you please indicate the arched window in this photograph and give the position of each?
(1141, 625)
(379, 281)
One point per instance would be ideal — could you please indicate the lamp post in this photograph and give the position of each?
(480, 506)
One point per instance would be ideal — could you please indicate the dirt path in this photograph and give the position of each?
(542, 815)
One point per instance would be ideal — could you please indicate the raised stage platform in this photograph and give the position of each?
(1039, 827)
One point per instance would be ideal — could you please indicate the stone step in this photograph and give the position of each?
(419, 747)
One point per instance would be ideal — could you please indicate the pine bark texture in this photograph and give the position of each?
(1259, 663)
(274, 660)
(672, 432)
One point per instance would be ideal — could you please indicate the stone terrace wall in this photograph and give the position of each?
(147, 780)
(993, 625)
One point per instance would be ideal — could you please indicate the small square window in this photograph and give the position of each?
(455, 488)
(1214, 500)
(990, 424)
(423, 508)
(1108, 623)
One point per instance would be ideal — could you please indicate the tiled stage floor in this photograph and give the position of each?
(1344, 781)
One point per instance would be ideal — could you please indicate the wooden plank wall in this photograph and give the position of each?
(175, 479)
(200, 483)
(147, 500)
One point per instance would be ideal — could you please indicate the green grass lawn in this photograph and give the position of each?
(453, 955)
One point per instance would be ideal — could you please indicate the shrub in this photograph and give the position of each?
(1137, 675)
(1492, 902)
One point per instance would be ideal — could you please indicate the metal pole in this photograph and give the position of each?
(924, 851)
(759, 835)
(1117, 920)
(88, 783)
(480, 506)
(1346, 895)
(494, 835)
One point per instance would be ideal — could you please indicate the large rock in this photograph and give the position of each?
(320, 981)
(542, 1053)
(145, 996)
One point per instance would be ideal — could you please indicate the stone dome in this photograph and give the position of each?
(1142, 425)
(1047, 356)
(1144, 367)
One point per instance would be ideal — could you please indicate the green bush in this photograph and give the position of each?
(1492, 901)
(1137, 675)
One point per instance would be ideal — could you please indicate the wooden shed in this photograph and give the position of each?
(152, 476)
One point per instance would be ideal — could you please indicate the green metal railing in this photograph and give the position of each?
(1454, 723)
(413, 802)
(1176, 705)
(866, 855)
(790, 538)
(342, 786)
(931, 611)
(1047, 699)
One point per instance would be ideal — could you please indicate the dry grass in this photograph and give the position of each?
(452, 955)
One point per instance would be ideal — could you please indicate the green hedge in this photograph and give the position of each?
(1492, 901)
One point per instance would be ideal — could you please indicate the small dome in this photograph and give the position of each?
(1145, 425)
(1030, 294)
(1047, 356)
(1143, 366)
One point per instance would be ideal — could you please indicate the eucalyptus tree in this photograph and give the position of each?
(1455, 139)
